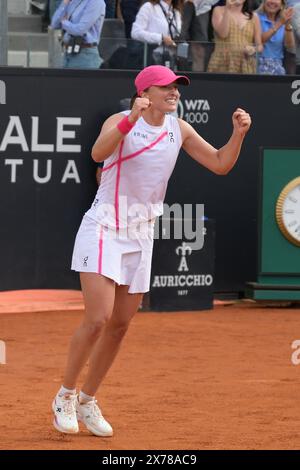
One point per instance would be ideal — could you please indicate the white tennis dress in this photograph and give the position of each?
(115, 238)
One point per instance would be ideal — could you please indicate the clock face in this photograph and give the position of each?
(288, 211)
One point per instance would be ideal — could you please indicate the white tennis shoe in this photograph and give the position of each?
(90, 414)
(64, 409)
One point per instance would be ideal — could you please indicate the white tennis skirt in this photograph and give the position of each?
(123, 256)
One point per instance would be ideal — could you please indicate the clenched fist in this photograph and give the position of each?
(241, 121)
(140, 105)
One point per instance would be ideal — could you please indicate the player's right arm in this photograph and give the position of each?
(110, 135)
(108, 139)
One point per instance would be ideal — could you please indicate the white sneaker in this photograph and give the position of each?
(64, 409)
(90, 414)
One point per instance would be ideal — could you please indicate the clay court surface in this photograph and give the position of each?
(219, 379)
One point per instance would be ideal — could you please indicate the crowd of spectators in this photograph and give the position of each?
(235, 36)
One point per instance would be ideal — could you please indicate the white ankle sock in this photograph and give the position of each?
(84, 398)
(66, 391)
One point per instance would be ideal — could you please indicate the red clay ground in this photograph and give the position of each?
(220, 379)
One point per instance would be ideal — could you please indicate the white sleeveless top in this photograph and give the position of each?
(135, 177)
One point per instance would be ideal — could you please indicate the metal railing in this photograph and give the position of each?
(122, 53)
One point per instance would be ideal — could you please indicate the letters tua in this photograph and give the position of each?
(16, 136)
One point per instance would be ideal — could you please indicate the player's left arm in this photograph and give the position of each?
(218, 161)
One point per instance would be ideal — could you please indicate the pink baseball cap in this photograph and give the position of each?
(158, 75)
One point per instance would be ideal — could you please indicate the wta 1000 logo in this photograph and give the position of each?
(193, 111)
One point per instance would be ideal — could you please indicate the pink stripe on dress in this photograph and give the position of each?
(118, 185)
(100, 250)
(150, 146)
(119, 163)
(135, 154)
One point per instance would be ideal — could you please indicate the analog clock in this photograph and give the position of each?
(288, 211)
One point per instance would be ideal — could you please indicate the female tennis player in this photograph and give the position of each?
(113, 247)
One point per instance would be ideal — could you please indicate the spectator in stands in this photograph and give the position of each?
(296, 25)
(277, 32)
(81, 22)
(237, 38)
(129, 9)
(158, 23)
(195, 22)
